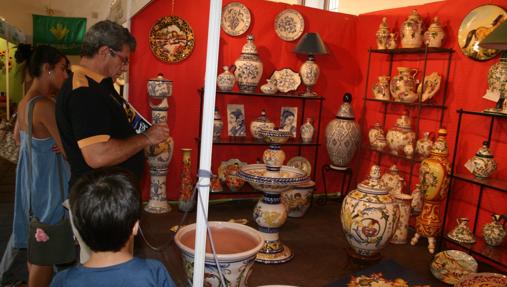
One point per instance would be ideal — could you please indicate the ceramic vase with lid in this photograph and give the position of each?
(462, 232)
(226, 80)
(261, 122)
(307, 131)
(393, 180)
(401, 233)
(186, 201)
(482, 165)
(382, 34)
(494, 232)
(248, 67)
(400, 135)
(403, 87)
(376, 137)
(423, 146)
(297, 200)
(497, 77)
(381, 89)
(270, 87)
(343, 135)
(369, 216)
(435, 34)
(412, 31)
(434, 175)
(218, 125)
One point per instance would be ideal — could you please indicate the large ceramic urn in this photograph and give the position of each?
(412, 31)
(343, 135)
(434, 182)
(159, 156)
(369, 216)
(248, 67)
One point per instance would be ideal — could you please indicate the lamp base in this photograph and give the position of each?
(309, 92)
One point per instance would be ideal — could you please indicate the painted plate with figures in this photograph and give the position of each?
(289, 25)
(171, 39)
(236, 19)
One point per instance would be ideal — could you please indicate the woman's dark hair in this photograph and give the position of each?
(105, 206)
(37, 57)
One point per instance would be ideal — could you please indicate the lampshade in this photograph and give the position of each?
(496, 39)
(311, 44)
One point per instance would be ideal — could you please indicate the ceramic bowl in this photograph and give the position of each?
(275, 136)
(451, 266)
(264, 180)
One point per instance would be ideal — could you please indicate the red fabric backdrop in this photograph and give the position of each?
(348, 39)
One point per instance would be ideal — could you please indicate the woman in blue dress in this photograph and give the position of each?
(48, 69)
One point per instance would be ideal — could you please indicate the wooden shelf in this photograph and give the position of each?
(253, 141)
(496, 254)
(277, 95)
(416, 104)
(412, 51)
(492, 183)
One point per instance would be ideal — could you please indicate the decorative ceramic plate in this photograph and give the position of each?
(171, 39)
(483, 280)
(286, 80)
(431, 86)
(475, 27)
(451, 266)
(236, 19)
(227, 164)
(301, 163)
(289, 25)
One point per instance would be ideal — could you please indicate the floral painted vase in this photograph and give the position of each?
(369, 216)
(226, 80)
(297, 200)
(393, 180)
(401, 233)
(404, 85)
(376, 137)
(343, 135)
(494, 232)
(412, 31)
(497, 77)
(248, 67)
(270, 87)
(307, 131)
(382, 34)
(185, 201)
(482, 165)
(218, 125)
(435, 34)
(381, 89)
(400, 135)
(423, 146)
(434, 173)
(261, 122)
(462, 232)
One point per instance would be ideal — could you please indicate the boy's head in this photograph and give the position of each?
(105, 208)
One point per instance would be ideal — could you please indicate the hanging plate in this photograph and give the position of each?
(171, 39)
(236, 19)
(475, 27)
(289, 25)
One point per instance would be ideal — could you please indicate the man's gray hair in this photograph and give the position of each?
(106, 33)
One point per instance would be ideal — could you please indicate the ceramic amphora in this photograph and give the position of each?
(369, 216)
(494, 232)
(403, 87)
(412, 31)
(381, 89)
(382, 34)
(248, 67)
(482, 165)
(400, 135)
(226, 80)
(435, 34)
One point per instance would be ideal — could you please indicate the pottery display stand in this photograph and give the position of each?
(346, 173)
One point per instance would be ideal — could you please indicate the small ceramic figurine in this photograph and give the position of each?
(435, 34)
(483, 164)
(493, 232)
(462, 233)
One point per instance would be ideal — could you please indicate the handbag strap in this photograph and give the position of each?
(29, 113)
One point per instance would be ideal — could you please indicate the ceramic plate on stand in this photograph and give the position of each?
(236, 19)
(301, 163)
(483, 280)
(171, 39)
(289, 25)
(286, 80)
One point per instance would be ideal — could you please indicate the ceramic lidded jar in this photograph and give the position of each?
(270, 87)
(423, 145)
(403, 87)
(297, 200)
(482, 164)
(226, 80)
(497, 77)
(400, 135)
(381, 89)
(307, 131)
(376, 137)
(382, 34)
(435, 34)
(412, 31)
(160, 87)
(261, 122)
(393, 180)
(369, 216)
(494, 232)
(248, 67)
(343, 135)
(218, 125)
(462, 232)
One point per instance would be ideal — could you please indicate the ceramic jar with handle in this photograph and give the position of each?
(403, 87)
(435, 34)
(226, 80)
(482, 165)
(381, 89)
(248, 67)
(412, 31)
(400, 135)
(494, 232)
(382, 34)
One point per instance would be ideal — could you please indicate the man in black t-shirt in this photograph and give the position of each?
(90, 114)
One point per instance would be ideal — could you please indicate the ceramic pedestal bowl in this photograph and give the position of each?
(236, 246)
(275, 136)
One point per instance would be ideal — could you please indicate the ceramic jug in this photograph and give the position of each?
(307, 131)
(435, 34)
(381, 89)
(400, 135)
(403, 87)
(494, 232)
(393, 180)
(248, 67)
(270, 87)
(423, 146)
(382, 34)
(261, 122)
(226, 80)
(482, 165)
(462, 232)
(412, 31)
(218, 125)
(376, 137)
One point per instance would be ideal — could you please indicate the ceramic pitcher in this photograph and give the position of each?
(403, 87)
(401, 233)
(494, 232)
(381, 88)
(394, 180)
(412, 31)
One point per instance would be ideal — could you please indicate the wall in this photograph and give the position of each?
(356, 7)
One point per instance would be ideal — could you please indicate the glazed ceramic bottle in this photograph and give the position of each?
(307, 130)
(369, 215)
(393, 180)
(185, 201)
(376, 137)
(400, 135)
(218, 125)
(435, 34)
(343, 135)
(381, 89)
(482, 165)
(226, 80)
(412, 31)
(403, 86)
(248, 67)
(462, 232)
(423, 146)
(494, 232)
(261, 122)
(382, 34)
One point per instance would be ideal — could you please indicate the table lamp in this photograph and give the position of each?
(310, 44)
(497, 39)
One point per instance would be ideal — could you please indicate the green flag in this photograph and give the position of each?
(65, 34)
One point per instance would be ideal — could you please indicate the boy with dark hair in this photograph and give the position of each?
(106, 209)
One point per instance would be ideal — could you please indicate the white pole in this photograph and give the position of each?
(207, 138)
